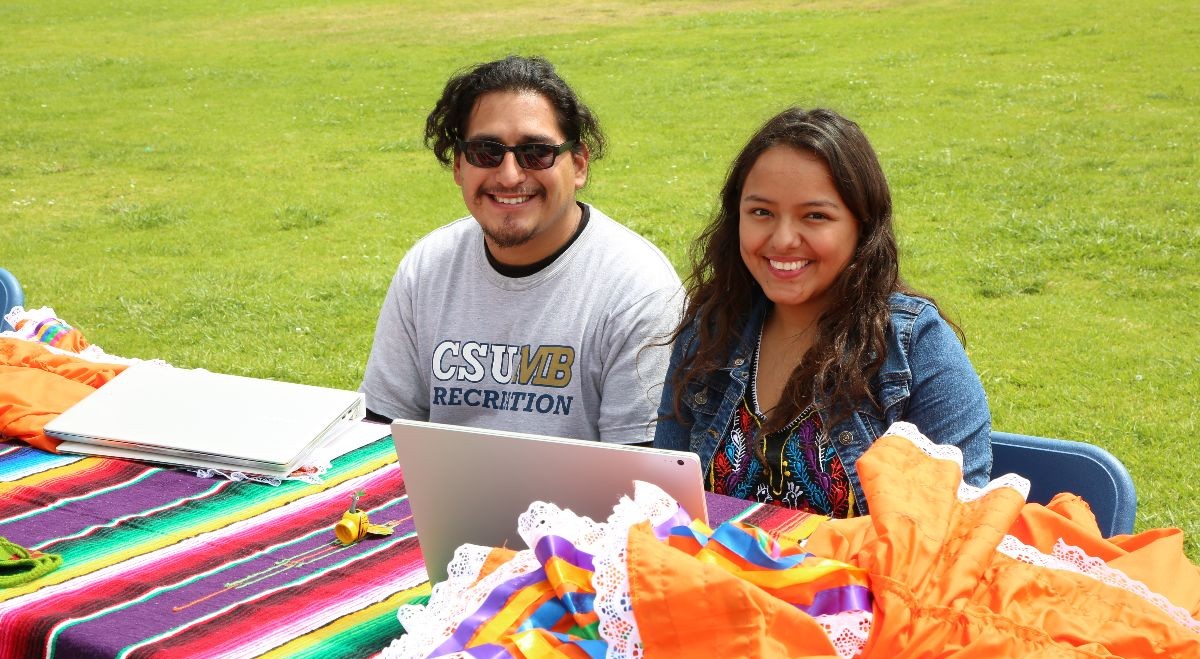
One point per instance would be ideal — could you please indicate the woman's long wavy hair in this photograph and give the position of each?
(850, 340)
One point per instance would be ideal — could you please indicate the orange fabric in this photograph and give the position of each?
(37, 385)
(694, 609)
(942, 589)
(1155, 557)
(941, 586)
(497, 557)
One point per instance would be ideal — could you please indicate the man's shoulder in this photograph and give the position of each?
(445, 242)
(448, 248)
(613, 230)
(622, 249)
(452, 235)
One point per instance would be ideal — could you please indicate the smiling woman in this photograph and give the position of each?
(805, 332)
(797, 236)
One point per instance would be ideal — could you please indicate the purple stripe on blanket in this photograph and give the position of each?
(722, 508)
(553, 545)
(494, 603)
(839, 599)
(244, 578)
(158, 489)
(179, 604)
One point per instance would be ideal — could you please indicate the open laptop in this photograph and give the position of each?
(198, 418)
(469, 485)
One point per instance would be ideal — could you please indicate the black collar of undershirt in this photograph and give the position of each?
(515, 271)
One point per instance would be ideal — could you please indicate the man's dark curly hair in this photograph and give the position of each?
(448, 122)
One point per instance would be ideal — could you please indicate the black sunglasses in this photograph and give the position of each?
(488, 154)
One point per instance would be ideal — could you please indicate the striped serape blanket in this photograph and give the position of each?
(159, 562)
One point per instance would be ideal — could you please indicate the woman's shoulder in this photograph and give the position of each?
(904, 304)
(916, 316)
(747, 325)
(909, 310)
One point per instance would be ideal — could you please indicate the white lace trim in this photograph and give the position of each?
(542, 519)
(911, 433)
(649, 503)
(848, 631)
(92, 353)
(236, 476)
(966, 493)
(614, 600)
(971, 493)
(18, 313)
(1070, 558)
(310, 473)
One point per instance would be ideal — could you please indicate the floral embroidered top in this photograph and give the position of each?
(795, 467)
(926, 379)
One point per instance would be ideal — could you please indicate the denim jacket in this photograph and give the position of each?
(925, 379)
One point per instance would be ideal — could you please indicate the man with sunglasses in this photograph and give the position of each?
(538, 313)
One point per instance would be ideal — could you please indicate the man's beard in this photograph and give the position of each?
(506, 238)
(510, 234)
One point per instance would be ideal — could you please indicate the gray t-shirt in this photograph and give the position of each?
(567, 351)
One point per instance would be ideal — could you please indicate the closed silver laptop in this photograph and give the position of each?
(199, 418)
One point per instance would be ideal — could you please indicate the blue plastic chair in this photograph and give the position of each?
(11, 296)
(1061, 465)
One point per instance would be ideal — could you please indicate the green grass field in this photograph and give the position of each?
(231, 185)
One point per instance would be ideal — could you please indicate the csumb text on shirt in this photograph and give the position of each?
(504, 377)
